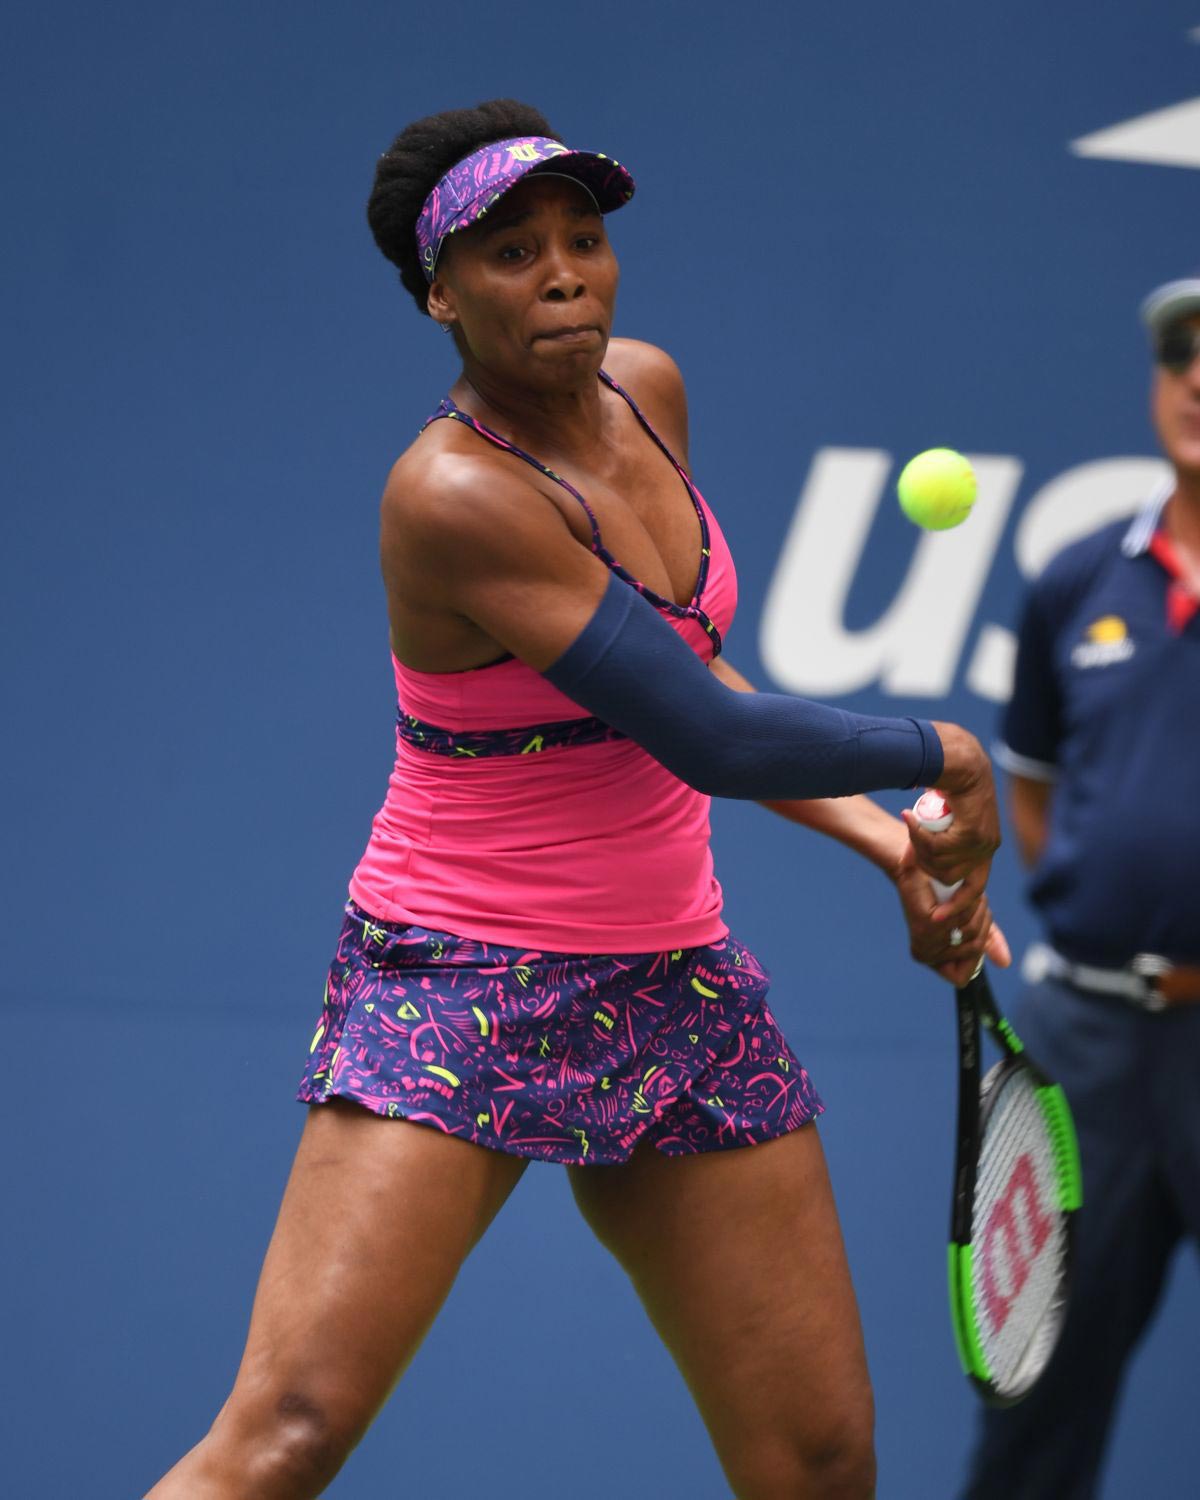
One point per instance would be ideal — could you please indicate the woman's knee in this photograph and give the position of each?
(836, 1462)
(288, 1443)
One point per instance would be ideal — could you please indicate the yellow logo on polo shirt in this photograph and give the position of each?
(1106, 643)
(1108, 628)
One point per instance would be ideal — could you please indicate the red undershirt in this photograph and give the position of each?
(1182, 603)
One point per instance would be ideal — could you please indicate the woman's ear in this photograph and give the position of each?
(440, 303)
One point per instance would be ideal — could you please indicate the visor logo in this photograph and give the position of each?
(532, 151)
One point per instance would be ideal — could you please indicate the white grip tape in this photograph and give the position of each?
(933, 813)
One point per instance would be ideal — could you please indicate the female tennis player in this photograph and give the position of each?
(533, 964)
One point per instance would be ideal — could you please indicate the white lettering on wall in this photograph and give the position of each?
(1168, 137)
(915, 646)
(1082, 501)
(1063, 511)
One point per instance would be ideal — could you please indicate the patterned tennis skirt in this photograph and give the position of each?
(561, 1057)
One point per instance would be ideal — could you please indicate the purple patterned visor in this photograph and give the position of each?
(473, 185)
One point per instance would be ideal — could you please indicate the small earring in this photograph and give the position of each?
(446, 327)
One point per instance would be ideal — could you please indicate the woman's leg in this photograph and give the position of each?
(376, 1220)
(738, 1258)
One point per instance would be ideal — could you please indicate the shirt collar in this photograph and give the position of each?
(1136, 540)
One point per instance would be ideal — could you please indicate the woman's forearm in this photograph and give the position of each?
(857, 822)
(631, 670)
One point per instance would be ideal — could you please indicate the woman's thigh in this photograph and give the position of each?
(376, 1220)
(738, 1258)
(377, 1217)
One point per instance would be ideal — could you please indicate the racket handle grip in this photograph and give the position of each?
(933, 812)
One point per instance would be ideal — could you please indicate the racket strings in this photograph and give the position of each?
(1019, 1236)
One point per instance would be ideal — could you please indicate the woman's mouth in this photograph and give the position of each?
(577, 334)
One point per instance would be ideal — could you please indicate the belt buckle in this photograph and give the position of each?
(1148, 967)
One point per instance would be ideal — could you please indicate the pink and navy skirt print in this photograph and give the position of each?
(559, 1057)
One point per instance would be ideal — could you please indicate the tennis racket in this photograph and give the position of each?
(1017, 1186)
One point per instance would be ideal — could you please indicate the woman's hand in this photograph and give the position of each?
(966, 782)
(864, 826)
(931, 924)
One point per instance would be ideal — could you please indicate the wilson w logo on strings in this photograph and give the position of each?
(1014, 1235)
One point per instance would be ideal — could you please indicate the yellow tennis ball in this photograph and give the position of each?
(937, 489)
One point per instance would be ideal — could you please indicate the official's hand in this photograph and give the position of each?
(966, 782)
(931, 924)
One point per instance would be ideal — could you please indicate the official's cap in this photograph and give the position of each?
(1170, 302)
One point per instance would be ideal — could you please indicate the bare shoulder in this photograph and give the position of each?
(655, 382)
(445, 511)
(646, 370)
(476, 557)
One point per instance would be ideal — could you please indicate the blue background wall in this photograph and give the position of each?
(858, 226)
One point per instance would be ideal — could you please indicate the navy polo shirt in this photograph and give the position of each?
(1106, 704)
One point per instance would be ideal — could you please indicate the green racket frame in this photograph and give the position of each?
(976, 1004)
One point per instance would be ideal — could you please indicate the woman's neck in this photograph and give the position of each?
(567, 418)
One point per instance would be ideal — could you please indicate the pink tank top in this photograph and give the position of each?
(513, 817)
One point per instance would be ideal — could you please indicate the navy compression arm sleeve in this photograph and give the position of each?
(632, 671)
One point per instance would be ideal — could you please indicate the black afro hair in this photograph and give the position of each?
(422, 153)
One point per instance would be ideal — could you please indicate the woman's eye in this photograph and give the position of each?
(512, 253)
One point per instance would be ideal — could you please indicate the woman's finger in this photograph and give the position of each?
(947, 856)
(997, 948)
(958, 971)
(965, 899)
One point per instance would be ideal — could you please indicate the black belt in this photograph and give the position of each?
(1148, 981)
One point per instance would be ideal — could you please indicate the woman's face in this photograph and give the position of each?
(531, 287)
